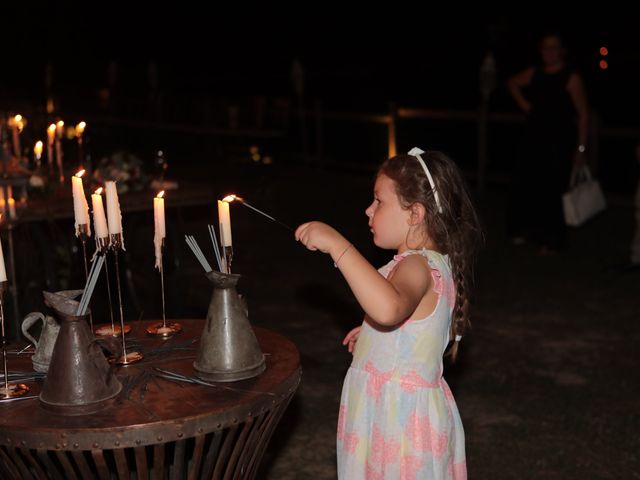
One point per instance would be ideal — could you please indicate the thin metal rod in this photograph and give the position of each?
(4, 342)
(13, 286)
(164, 317)
(124, 347)
(106, 272)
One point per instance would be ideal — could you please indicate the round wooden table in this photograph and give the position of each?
(155, 428)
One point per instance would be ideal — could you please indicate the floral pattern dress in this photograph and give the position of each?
(398, 419)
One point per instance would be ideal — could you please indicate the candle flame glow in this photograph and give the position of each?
(161, 194)
(52, 128)
(80, 173)
(60, 124)
(80, 128)
(98, 191)
(17, 118)
(231, 198)
(38, 148)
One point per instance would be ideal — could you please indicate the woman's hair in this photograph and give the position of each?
(455, 232)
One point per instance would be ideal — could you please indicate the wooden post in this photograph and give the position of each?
(393, 117)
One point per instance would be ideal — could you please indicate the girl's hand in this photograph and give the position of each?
(351, 338)
(319, 236)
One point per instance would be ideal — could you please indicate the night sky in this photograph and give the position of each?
(351, 61)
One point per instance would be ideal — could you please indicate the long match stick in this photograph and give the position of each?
(231, 198)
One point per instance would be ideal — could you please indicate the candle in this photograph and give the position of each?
(99, 219)
(80, 207)
(51, 136)
(160, 230)
(158, 210)
(12, 208)
(114, 217)
(37, 151)
(17, 125)
(225, 223)
(59, 130)
(3, 271)
(80, 129)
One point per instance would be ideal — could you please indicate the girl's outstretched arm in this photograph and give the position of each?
(387, 302)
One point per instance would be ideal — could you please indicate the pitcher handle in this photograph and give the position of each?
(28, 322)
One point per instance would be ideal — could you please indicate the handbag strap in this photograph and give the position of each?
(579, 174)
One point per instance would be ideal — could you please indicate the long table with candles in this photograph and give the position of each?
(158, 426)
(60, 205)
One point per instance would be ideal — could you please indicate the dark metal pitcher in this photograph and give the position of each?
(228, 349)
(80, 380)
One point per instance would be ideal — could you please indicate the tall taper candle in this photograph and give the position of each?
(225, 223)
(114, 217)
(80, 206)
(99, 219)
(160, 230)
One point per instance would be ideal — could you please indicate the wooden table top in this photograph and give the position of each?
(150, 410)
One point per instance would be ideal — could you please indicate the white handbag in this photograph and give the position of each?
(584, 198)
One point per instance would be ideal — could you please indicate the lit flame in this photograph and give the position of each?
(60, 124)
(161, 194)
(18, 122)
(80, 173)
(231, 198)
(80, 128)
(51, 128)
(98, 191)
(38, 148)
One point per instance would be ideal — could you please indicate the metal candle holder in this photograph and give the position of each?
(126, 358)
(8, 390)
(163, 329)
(115, 330)
(83, 234)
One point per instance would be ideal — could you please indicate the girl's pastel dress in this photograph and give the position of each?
(398, 419)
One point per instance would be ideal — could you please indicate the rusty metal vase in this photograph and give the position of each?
(228, 349)
(80, 381)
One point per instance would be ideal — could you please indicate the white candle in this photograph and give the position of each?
(80, 129)
(3, 271)
(17, 128)
(37, 150)
(114, 216)
(12, 209)
(59, 130)
(99, 219)
(51, 136)
(158, 209)
(160, 229)
(80, 206)
(225, 223)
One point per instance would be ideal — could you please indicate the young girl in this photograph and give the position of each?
(398, 418)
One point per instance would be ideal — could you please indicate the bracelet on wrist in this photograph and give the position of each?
(335, 264)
